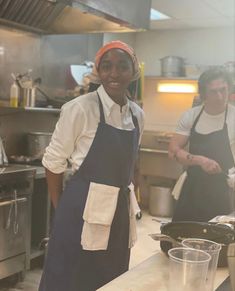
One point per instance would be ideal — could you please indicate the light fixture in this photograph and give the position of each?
(176, 88)
(156, 15)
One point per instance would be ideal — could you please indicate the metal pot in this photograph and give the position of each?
(37, 143)
(172, 66)
(173, 233)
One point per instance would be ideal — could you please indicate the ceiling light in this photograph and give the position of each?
(156, 15)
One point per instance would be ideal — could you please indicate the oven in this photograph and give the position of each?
(16, 187)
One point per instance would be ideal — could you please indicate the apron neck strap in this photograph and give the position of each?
(196, 120)
(225, 116)
(102, 118)
(134, 119)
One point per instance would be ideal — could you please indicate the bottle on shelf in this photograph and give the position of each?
(14, 95)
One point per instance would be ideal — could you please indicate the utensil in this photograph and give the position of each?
(178, 231)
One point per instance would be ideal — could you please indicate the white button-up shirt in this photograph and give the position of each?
(77, 125)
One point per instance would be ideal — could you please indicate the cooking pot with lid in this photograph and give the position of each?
(173, 233)
(37, 142)
(172, 66)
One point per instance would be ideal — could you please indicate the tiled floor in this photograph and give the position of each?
(144, 248)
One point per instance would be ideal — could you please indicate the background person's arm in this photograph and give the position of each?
(177, 151)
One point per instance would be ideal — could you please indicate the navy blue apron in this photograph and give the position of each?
(110, 161)
(203, 195)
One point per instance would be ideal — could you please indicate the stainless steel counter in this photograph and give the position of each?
(151, 275)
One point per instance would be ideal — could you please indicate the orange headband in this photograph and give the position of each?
(117, 44)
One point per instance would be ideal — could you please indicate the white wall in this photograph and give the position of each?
(129, 38)
(212, 46)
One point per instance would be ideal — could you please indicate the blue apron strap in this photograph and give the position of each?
(225, 116)
(134, 119)
(196, 120)
(102, 118)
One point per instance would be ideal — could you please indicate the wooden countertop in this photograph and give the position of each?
(151, 275)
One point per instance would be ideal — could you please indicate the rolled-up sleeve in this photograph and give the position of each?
(184, 124)
(65, 136)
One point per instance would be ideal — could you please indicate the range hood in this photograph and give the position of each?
(75, 16)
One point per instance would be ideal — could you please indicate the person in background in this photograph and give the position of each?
(99, 134)
(209, 130)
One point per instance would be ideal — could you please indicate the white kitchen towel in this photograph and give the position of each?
(100, 204)
(134, 209)
(178, 185)
(98, 216)
(95, 236)
(134, 206)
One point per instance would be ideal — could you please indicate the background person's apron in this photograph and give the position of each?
(110, 161)
(205, 196)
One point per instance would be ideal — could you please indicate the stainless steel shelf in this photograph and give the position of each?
(13, 110)
(42, 109)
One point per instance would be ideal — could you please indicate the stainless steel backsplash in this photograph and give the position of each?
(49, 57)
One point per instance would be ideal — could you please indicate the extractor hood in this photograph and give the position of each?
(75, 16)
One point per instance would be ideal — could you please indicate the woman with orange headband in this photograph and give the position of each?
(99, 134)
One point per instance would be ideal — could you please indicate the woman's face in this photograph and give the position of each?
(115, 72)
(217, 93)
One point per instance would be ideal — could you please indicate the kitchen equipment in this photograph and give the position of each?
(16, 187)
(231, 264)
(211, 248)
(160, 201)
(30, 97)
(37, 143)
(73, 16)
(3, 156)
(55, 102)
(14, 95)
(178, 231)
(172, 66)
(187, 269)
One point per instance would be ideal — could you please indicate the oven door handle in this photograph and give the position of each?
(4, 203)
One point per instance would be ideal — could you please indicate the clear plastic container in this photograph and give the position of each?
(213, 249)
(187, 269)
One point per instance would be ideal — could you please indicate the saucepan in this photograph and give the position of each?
(173, 233)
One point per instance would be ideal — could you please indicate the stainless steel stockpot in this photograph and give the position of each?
(37, 142)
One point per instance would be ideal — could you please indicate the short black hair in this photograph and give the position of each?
(213, 74)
